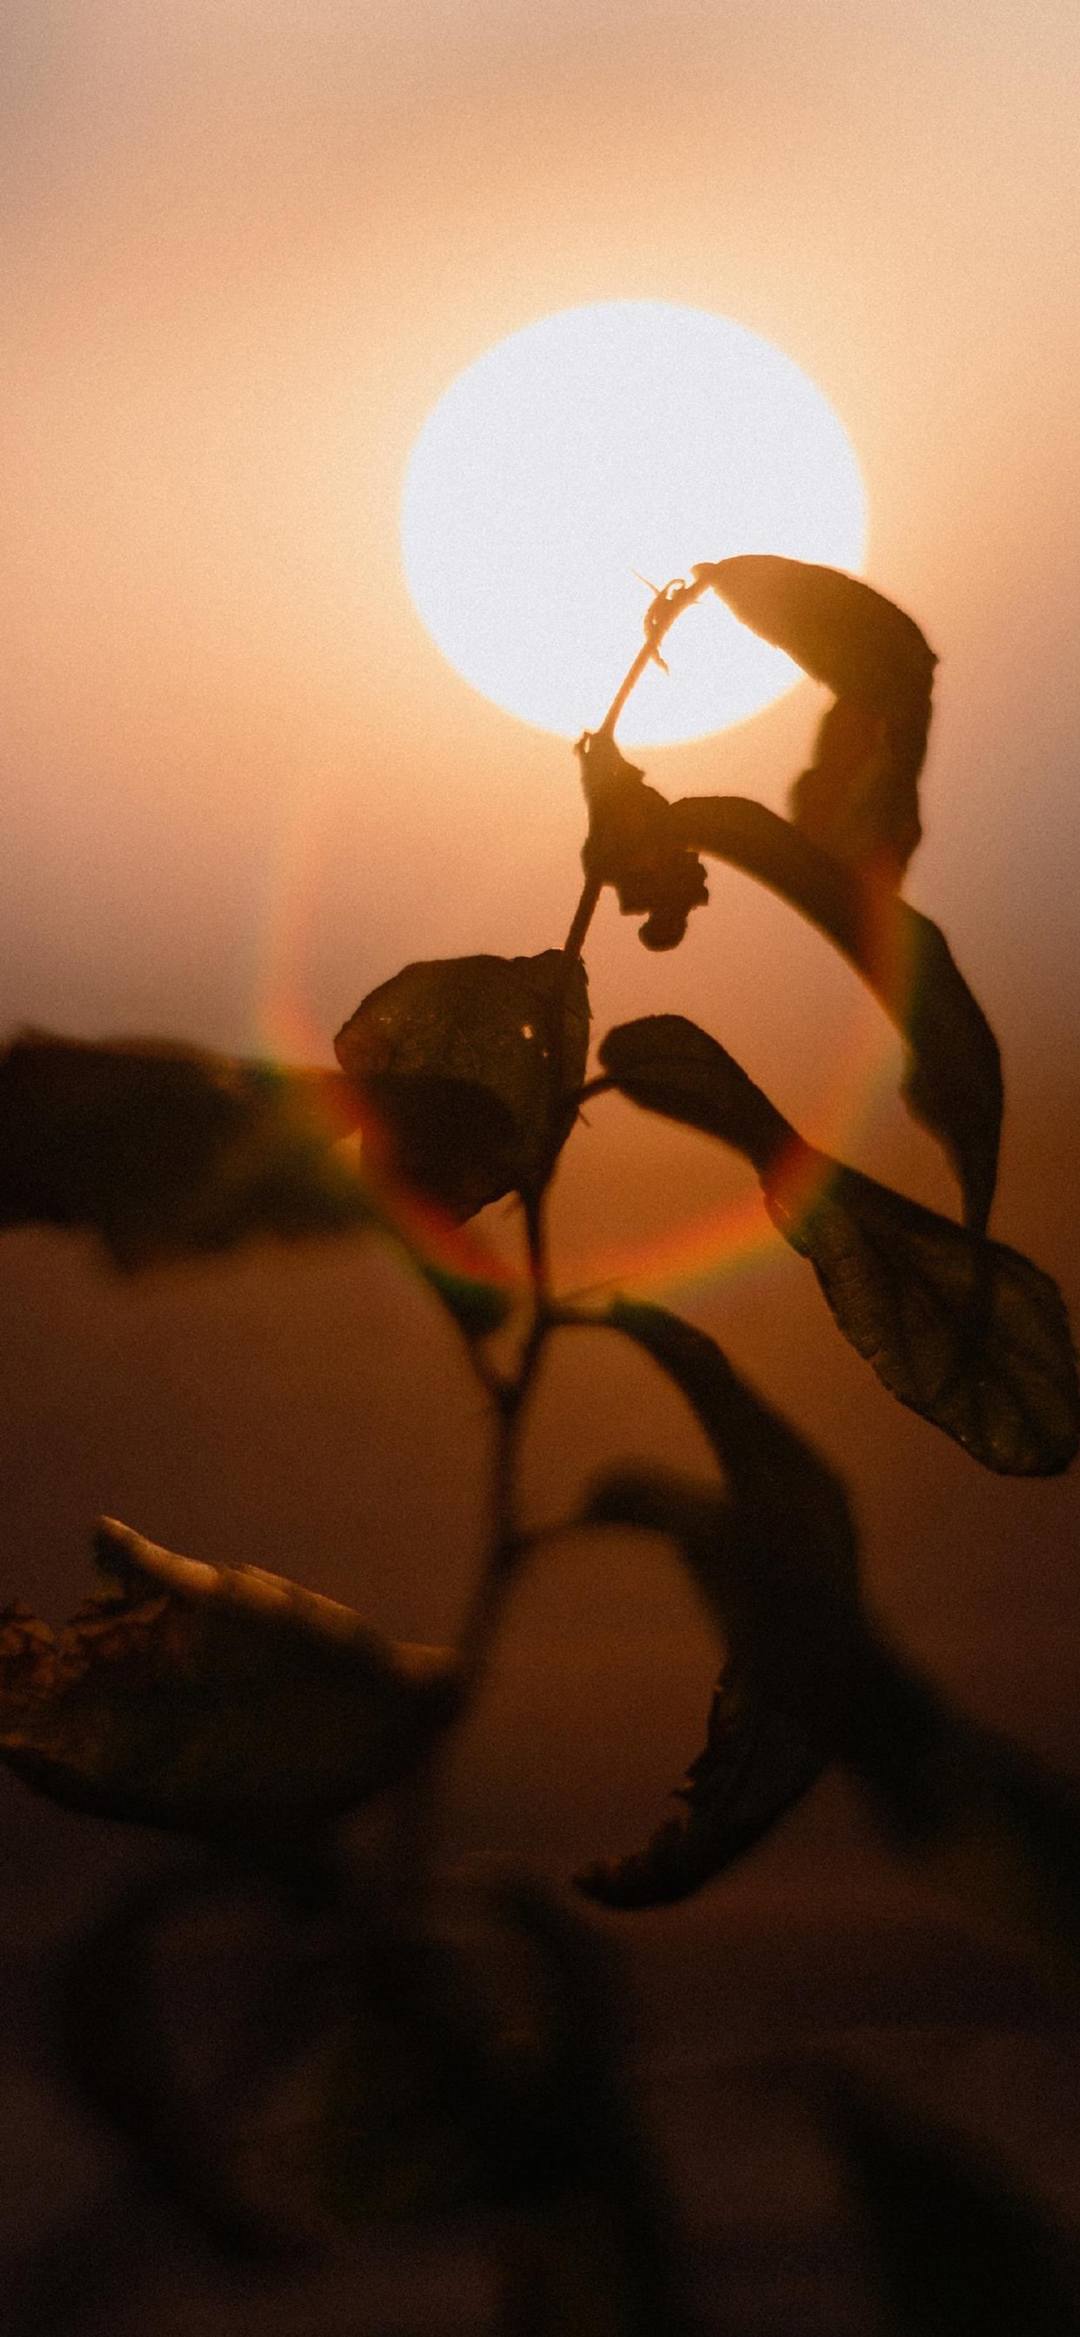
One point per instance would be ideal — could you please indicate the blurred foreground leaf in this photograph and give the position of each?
(963, 1330)
(953, 1079)
(962, 2251)
(468, 1071)
(216, 1700)
(167, 1151)
(860, 798)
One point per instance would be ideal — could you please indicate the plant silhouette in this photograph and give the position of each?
(469, 2033)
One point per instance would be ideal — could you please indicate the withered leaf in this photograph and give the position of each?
(778, 1564)
(860, 799)
(754, 1766)
(468, 1071)
(965, 1331)
(953, 1078)
(633, 844)
(213, 1699)
(167, 1151)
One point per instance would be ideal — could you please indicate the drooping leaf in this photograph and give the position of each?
(486, 2066)
(965, 1331)
(167, 1151)
(960, 2247)
(787, 1523)
(468, 1071)
(754, 1766)
(213, 1699)
(860, 799)
(953, 1079)
(633, 845)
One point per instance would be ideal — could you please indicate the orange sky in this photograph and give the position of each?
(246, 246)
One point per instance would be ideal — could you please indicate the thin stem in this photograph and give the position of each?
(659, 618)
(506, 1546)
(583, 917)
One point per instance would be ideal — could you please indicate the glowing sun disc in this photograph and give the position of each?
(628, 435)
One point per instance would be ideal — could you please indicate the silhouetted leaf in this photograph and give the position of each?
(755, 1765)
(964, 1330)
(953, 1079)
(168, 1150)
(787, 1525)
(468, 1071)
(213, 1699)
(860, 798)
(963, 2253)
(667, 1064)
(633, 844)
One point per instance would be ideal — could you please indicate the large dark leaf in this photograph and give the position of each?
(966, 1331)
(213, 1699)
(468, 1071)
(860, 798)
(787, 1523)
(633, 844)
(953, 1078)
(978, 1815)
(167, 1151)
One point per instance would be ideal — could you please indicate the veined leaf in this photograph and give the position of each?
(468, 1071)
(167, 1151)
(213, 1699)
(860, 798)
(633, 844)
(953, 1078)
(965, 1331)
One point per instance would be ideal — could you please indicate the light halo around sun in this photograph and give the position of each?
(628, 435)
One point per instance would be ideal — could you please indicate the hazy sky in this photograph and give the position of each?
(245, 245)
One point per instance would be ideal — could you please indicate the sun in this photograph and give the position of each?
(604, 445)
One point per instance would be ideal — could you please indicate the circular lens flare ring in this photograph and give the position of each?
(595, 448)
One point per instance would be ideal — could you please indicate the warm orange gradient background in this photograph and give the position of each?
(245, 247)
